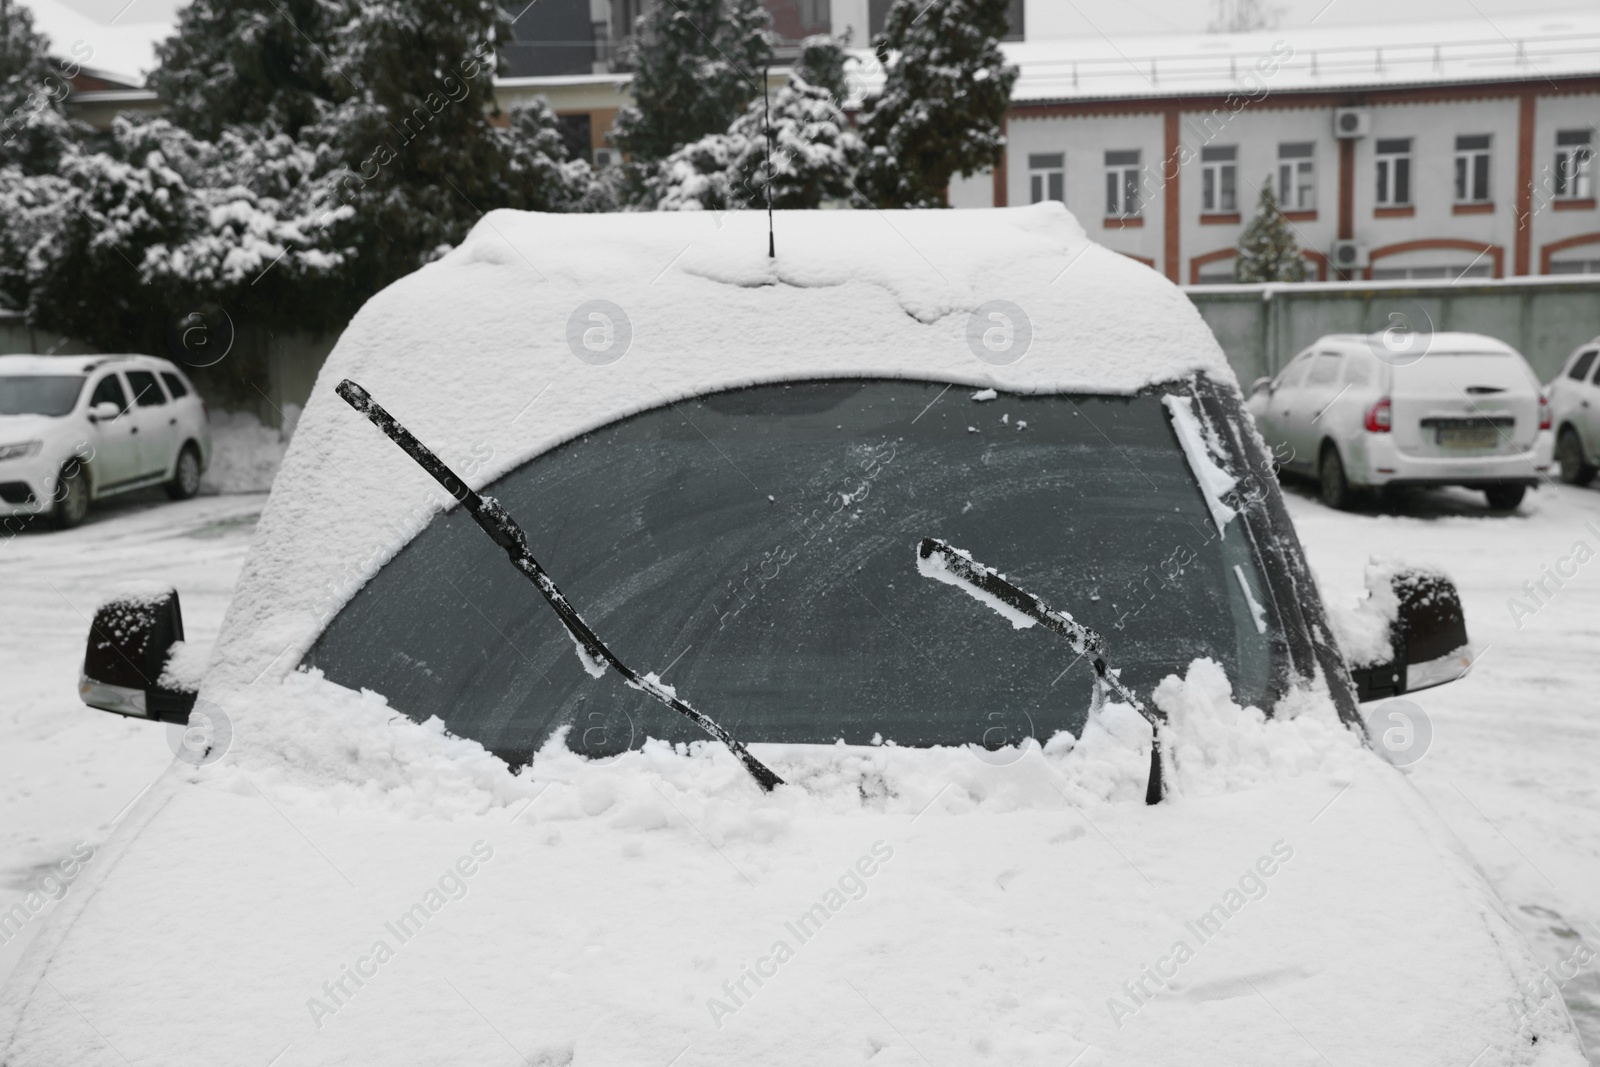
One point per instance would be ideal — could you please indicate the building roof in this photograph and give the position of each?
(120, 52)
(1550, 46)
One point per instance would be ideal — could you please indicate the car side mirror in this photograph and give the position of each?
(130, 641)
(105, 411)
(1259, 384)
(1427, 634)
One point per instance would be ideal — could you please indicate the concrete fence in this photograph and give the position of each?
(1262, 327)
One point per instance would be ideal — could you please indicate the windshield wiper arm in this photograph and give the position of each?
(943, 562)
(487, 512)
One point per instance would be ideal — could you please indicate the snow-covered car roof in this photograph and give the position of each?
(1439, 342)
(76, 364)
(538, 328)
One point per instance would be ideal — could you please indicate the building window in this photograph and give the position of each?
(1480, 269)
(1122, 184)
(1297, 176)
(1218, 175)
(1394, 172)
(1575, 266)
(1047, 177)
(1574, 165)
(1472, 169)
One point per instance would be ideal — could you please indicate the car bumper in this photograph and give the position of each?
(1384, 464)
(26, 487)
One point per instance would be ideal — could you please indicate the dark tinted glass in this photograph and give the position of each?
(1580, 369)
(757, 548)
(146, 390)
(39, 394)
(109, 389)
(175, 385)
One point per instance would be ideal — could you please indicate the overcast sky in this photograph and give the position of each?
(1065, 18)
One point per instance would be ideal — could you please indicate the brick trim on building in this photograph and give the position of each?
(1497, 253)
(1553, 247)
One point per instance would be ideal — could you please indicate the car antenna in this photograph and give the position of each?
(943, 562)
(766, 121)
(494, 520)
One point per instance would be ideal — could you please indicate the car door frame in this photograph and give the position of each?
(1586, 411)
(115, 442)
(1277, 412)
(156, 426)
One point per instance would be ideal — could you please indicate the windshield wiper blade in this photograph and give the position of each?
(487, 512)
(943, 562)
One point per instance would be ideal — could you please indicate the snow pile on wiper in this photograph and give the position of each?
(352, 749)
(1217, 746)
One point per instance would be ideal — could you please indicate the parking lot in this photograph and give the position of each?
(1510, 767)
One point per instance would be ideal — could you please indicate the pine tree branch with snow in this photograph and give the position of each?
(946, 89)
(1268, 251)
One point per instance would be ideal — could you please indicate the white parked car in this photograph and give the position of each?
(76, 429)
(1575, 413)
(1463, 410)
(872, 803)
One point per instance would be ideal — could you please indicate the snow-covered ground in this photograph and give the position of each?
(67, 771)
(1512, 765)
(1510, 768)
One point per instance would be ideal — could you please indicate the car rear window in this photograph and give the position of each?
(1503, 370)
(39, 394)
(146, 390)
(175, 385)
(758, 549)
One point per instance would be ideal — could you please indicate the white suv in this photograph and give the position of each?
(74, 429)
(1575, 411)
(1354, 413)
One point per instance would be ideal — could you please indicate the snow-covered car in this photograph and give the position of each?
(76, 429)
(1370, 411)
(1575, 413)
(908, 524)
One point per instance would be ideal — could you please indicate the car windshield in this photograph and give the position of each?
(758, 548)
(39, 394)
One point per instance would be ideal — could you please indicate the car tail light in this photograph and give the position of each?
(1544, 412)
(1377, 420)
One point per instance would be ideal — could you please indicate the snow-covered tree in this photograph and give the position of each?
(161, 221)
(696, 64)
(393, 160)
(257, 62)
(1244, 16)
(946, 88)
(814, 152)
(34, 128)
(537, 174)
(1268, 251)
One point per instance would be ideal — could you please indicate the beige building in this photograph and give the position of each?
(1430, 151)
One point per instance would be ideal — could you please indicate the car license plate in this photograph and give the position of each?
(1467, 437)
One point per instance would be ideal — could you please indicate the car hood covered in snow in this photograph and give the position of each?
(1293, 900)
(346, 885)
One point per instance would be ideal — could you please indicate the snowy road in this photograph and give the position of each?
(1512, 767)
(66, 770)
(1516, 744)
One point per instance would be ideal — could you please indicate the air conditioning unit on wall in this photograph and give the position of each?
(1347, 255)
(1351, 122)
